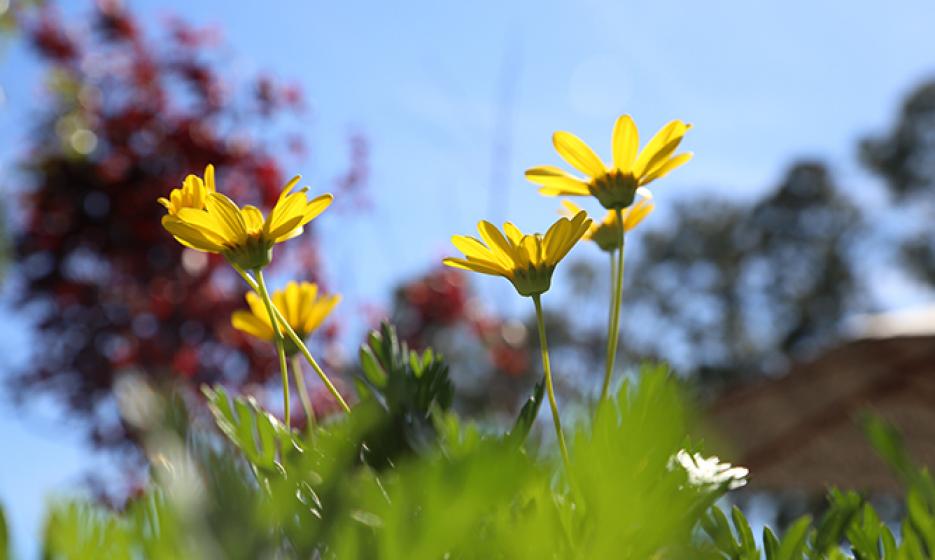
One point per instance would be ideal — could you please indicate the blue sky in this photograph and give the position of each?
(429, 83)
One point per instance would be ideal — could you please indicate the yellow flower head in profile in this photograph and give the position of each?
(614, 186)
(301, 304)
(243, 235)
(526, 260)
(193, 193)
(607, 233)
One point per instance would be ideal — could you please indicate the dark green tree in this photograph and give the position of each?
(905, 159)
(736, 288)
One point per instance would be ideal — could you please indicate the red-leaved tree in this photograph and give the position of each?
(127, 116)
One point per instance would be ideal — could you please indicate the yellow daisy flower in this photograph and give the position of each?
(607, 233)
(301, 305)
(614, 186)
(243, 235)
(526, 260)
(193, 193)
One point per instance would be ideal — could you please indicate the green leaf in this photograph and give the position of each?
(409, 387)
(864, 533)
(4, 537)
(921, 519)
(408, 383)
(887, 441)
(263, 439)
(911, 545)
(888, 542)
(747, 543)
(794, 540)
(770, 544)
(527, 415)
(369, 364)
(834, 524)
(717, 527)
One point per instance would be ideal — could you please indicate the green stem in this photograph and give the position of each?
(613, 333)
(308, 357)
(303, 392)
(610, 322)
(553, 404)
(300, 344)
(280, 350)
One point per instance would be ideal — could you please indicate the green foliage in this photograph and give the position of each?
(409, 387)
(404, 381)
(527, 414)
(264, 440)
(630, 501)
(734, 538)
(4, 537)
(459, 494)
(918, 528)
(849, 524)
(341, 491)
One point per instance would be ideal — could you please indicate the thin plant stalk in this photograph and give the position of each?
(300, 344)
(613, 334)
(550, 389)
(303, 392)
(278, 339)
(610, 318)
(311, 360)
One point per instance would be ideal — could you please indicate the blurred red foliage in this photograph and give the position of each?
(129, 116)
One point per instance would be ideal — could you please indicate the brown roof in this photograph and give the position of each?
(799, 431)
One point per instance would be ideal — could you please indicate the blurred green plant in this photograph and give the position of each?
(4, 537)
(404, 477)
(401, 477)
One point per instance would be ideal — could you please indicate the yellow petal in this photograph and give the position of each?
(288, 229)
(625, 142)
(203, 222)
(554, 177)
(556, 182)
(253, 218)
(228, 217)
(472, 266)
(282, 304)
(209, 179)
(472, 247)
(289, 186)
(569, 209)
(294, 232)
(531, 250)
(192, 236)
(303, 303)
(556, 191)
(577, 227)
(665, 141)
(520, 254)
(636, 214)
(322, 309)
(499, 247)
(258, 308)
(286, 215)
(249, 323)
(513, 233)
(554, 238)
(299, 304)
(667, 167)
(316, 206)
(578, 154)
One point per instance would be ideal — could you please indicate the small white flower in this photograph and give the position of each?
(709, 472)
